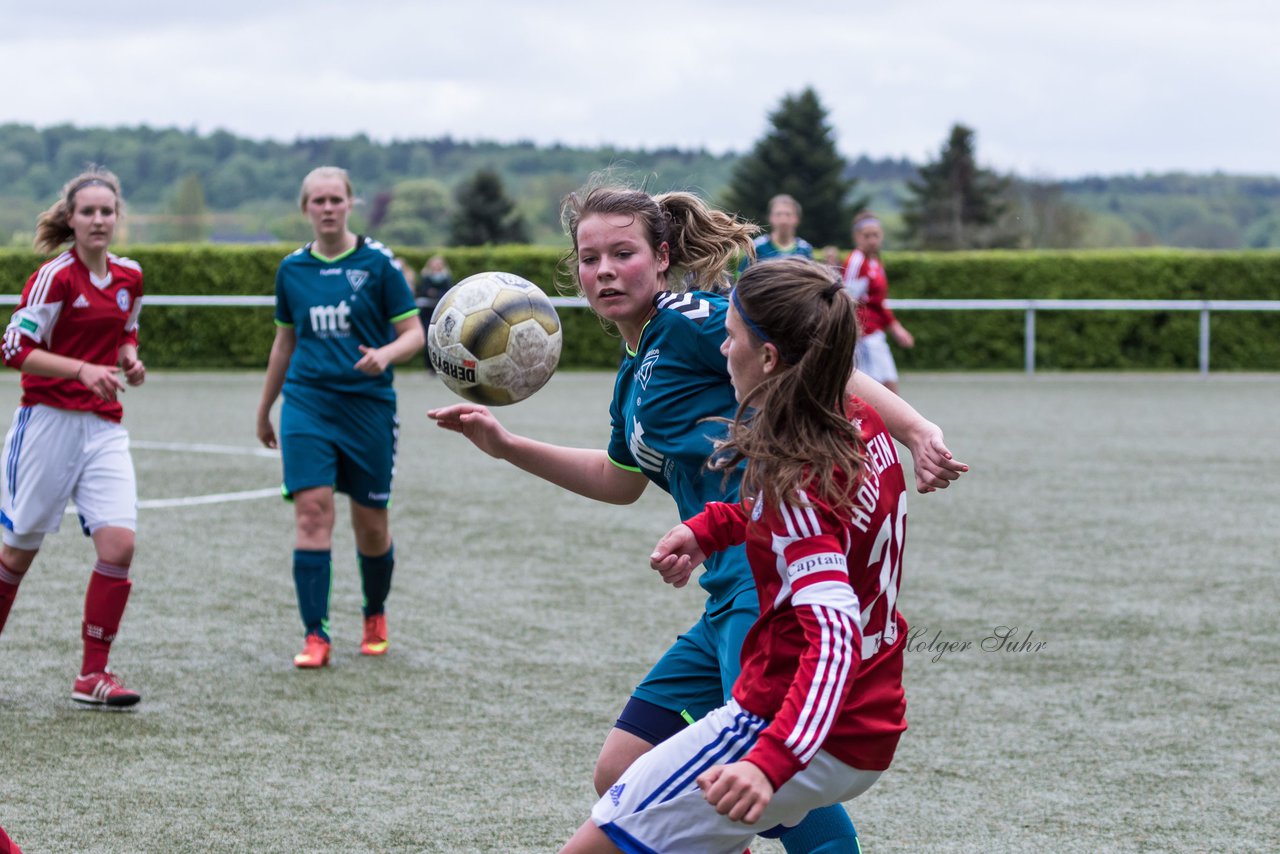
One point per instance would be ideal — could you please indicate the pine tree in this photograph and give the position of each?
(485, 213)
(955, 202)
(797, 156)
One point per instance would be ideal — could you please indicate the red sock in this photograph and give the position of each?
(103, 606)
(9, 581)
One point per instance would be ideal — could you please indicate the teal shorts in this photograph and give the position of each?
(697, 673)
(346, 441)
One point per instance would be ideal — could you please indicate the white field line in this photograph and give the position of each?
(198, 448)
(214, 498)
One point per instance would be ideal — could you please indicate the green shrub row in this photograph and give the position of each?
(971, 340)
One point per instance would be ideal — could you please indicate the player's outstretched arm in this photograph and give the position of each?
(677, 555)
(585, 471)
(934, 466)
(277, 365)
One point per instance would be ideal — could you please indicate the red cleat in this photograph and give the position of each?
(314, 654)
(103, 688)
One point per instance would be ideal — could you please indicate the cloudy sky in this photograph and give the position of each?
(1053, 89)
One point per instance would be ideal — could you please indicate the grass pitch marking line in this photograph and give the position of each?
(194, 500)
(199, 448)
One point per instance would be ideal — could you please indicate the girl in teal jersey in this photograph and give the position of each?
(625, 245)
(344, 314)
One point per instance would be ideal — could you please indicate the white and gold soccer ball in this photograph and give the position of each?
(494, 338)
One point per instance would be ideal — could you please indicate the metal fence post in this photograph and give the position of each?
(1204, 341)
(1029, 342)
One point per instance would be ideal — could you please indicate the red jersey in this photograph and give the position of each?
(824, 662)
(67, 310)
(865, 280)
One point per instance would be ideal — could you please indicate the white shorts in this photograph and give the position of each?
(874, 359)
(55, 455)
(657, 805)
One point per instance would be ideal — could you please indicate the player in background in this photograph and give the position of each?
(344, 314)
(626, 245)
(817, 712)
(75, 327)
(781, 241)
(866, 282)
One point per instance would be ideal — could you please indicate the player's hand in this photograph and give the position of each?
(373, 363)
(267, 433)
(102, 380)
(902, 336)
(135, 373)
(476, 423)
(934, 465)
(677, 555)
(740, 791)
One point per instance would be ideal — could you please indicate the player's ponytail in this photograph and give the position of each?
(791, 428)
(701, 240)
(53, 226)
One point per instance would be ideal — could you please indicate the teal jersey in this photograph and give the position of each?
(676, 378)
(336, 305)
(766, 249)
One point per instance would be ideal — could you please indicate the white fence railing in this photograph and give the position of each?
(1029, 307)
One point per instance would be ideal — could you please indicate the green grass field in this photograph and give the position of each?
(1125, 523)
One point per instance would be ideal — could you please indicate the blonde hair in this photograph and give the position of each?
(791, 428)
(53, 226)
(701, 241)
(320, 173)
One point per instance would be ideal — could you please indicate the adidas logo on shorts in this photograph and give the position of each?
(615, 793)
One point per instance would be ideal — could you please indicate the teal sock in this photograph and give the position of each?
(312, 571)
(375, 578)
(823, 831)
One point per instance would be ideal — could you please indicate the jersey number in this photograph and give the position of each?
(886, 551)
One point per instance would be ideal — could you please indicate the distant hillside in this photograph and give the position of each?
(249, 187)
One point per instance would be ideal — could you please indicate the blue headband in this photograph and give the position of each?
(759, 333)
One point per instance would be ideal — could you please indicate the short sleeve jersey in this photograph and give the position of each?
(676, 378)
(766, 249)
(67, 310)
(336, 305)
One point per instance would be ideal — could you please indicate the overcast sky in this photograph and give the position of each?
(1053, 89)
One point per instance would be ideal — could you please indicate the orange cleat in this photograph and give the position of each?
(314, 654)
(375, 635)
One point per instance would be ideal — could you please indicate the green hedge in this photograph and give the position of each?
(233, 337)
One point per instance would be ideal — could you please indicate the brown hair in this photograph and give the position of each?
(323, 172)
(792, 429)
(53, 226)
(701, 240)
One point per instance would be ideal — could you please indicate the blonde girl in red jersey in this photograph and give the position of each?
(74, 332)
(818, 709)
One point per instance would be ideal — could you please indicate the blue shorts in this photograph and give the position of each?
(697, 673)
(346, 441)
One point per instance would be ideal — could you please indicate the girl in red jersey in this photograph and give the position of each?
(867, 283)
(818, 709)
(75, 328)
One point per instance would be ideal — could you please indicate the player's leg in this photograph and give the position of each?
(34, 486)
(310, 467)
(366, 465)
(590, 839)
(827, 830)
(14, 563)
(682, 687)
(106, 497)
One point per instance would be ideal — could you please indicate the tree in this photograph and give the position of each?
(485, 213)
(417, 214)
(955, 202)
(797, 156)
(188, 212)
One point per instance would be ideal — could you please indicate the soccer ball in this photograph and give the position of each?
(494, 338)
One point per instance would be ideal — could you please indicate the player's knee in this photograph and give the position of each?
(114, 545)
